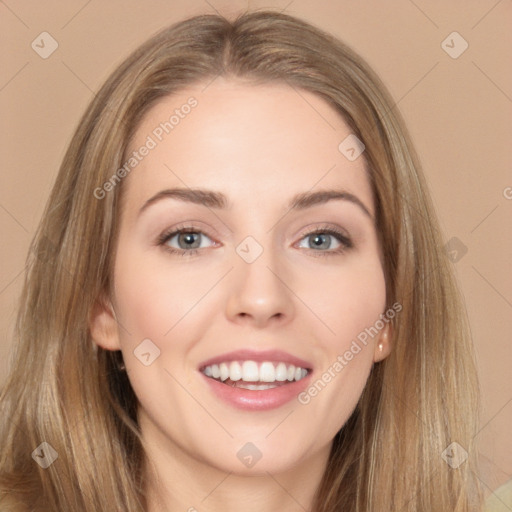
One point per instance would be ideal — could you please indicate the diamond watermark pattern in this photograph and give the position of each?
(44, 45)
(351, 147)
(454, 455)
(454, 45)
(249, 455)
(455, 249)
(146, 352)
(249, 249)
(45, 455)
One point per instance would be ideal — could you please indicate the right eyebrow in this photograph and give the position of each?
(203, 197)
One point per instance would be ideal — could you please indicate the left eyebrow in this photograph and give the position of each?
(218, 200)
(309, 199)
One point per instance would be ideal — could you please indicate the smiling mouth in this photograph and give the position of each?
(255, 376)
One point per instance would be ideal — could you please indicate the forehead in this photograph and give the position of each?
(253, 142)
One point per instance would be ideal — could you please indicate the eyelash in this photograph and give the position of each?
(345, 241)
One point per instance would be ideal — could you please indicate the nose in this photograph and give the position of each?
(260, 292)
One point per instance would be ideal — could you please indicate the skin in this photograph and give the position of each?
(259, 145)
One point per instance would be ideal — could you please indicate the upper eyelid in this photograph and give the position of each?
(171, 233)
(194, 229)
(167, 235)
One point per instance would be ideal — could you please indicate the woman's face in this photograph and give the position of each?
(270, 275)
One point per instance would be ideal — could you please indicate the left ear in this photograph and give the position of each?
(383, 343)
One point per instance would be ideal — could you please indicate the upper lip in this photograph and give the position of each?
(258, 356)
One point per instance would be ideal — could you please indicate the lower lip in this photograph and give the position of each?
(258, 400)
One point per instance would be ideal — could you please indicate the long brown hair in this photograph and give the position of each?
(391, 454)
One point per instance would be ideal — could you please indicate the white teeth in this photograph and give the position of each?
(224, 372)
(281, 372)
(251, 371)
(235, 370)
(267, 372)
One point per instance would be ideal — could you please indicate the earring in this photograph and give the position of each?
(381, 346)
(120, 362)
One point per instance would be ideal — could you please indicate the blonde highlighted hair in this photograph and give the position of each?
(62, 390)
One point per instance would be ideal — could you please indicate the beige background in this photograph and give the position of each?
(458, 111)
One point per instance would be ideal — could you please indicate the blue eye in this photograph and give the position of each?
(321, 238)
(189, 241)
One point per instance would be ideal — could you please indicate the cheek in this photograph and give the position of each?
(151, 297)
(350, 307)
(345, 301)
(157, 302)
